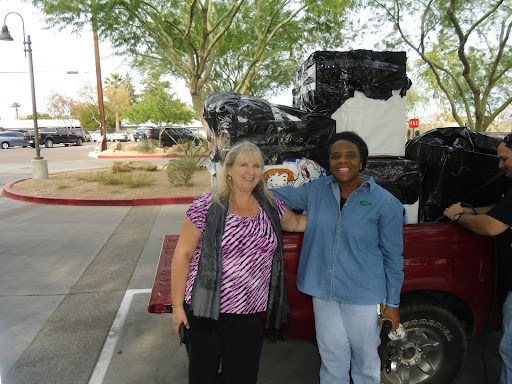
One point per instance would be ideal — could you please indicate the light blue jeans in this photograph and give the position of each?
(506, 342)
(348, 338)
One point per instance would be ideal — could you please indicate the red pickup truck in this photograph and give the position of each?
(450, 292)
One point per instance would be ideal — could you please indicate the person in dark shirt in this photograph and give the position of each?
(496, 220)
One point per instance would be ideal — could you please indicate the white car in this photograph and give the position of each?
(96, 136)
(119, 136)
(198, 132)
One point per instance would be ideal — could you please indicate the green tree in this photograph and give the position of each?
(88, 115)
(16, 105)
(465, 48)
(39, 116)
(118, 96)
(231, 45)
(61, 107)
(159, 107)
(87, 111)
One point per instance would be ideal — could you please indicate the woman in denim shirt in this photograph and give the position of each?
(351, 261)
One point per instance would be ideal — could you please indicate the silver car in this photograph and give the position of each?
(12, 139)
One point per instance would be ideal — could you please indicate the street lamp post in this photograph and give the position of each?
(39, 165)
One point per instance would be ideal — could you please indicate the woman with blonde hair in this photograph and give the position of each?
(228, 269)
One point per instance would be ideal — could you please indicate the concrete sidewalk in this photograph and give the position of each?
(74, 292)
(75, 287)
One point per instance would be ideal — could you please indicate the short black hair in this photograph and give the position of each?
(355, 139)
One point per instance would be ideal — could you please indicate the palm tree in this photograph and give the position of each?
(16, 105)
(117, 90)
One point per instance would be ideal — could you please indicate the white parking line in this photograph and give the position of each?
(115, 332)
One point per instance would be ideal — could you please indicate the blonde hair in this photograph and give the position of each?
(224, 184)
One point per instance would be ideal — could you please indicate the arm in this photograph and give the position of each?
(187, 244)
(482, 224)
(391, 245)
(293, 198)
(292, 222)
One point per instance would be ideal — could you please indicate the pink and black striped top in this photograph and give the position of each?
(248, 245)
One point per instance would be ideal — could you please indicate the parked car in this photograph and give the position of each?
(171, 135)
(119, 136)
(96, 135)
(48, 136)
(85, 134)
(12, 139)
(198, 131)
(138, 134)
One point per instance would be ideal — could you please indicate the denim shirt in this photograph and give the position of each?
(352, 256)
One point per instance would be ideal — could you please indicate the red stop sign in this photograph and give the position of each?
(414, 123)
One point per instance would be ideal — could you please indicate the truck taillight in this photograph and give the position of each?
(149, 135)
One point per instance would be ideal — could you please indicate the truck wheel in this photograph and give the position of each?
(48, 143)
(79, 141)
(33, 145)
(5, 145)
(432, 351)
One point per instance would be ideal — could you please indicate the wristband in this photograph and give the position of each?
(392, 305)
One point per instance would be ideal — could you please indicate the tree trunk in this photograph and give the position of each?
(199, 107)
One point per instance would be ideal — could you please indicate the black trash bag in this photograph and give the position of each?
(280, 132)
(328, 78)
(401, 177)
(457, 165)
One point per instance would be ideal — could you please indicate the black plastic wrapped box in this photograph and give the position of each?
(328, 78)
(457, 165)
(280, 132)
(363, 91)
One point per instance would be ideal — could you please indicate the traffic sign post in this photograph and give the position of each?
(414, 123)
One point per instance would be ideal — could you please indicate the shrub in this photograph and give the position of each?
(138, 180)
(147, 146)
(180, 171)
(193, 152)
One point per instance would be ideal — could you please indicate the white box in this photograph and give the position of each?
(381, 123)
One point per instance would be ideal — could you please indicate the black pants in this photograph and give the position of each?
(231, 344)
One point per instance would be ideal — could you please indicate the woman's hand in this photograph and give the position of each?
(178, 317)
(392, 314)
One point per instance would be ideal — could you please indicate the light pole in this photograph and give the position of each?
(39, 165)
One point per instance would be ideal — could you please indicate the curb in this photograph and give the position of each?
(8, 192)
(97, 155)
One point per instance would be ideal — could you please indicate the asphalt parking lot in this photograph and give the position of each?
(75, 285)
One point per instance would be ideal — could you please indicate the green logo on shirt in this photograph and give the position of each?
(365, 204)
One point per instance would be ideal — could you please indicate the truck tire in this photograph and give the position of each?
(48, 143)
(33, 145)
(79, 141)
(432, 351)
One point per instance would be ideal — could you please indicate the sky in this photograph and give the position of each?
(54, 54)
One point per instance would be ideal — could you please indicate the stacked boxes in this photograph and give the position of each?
(363, 91)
